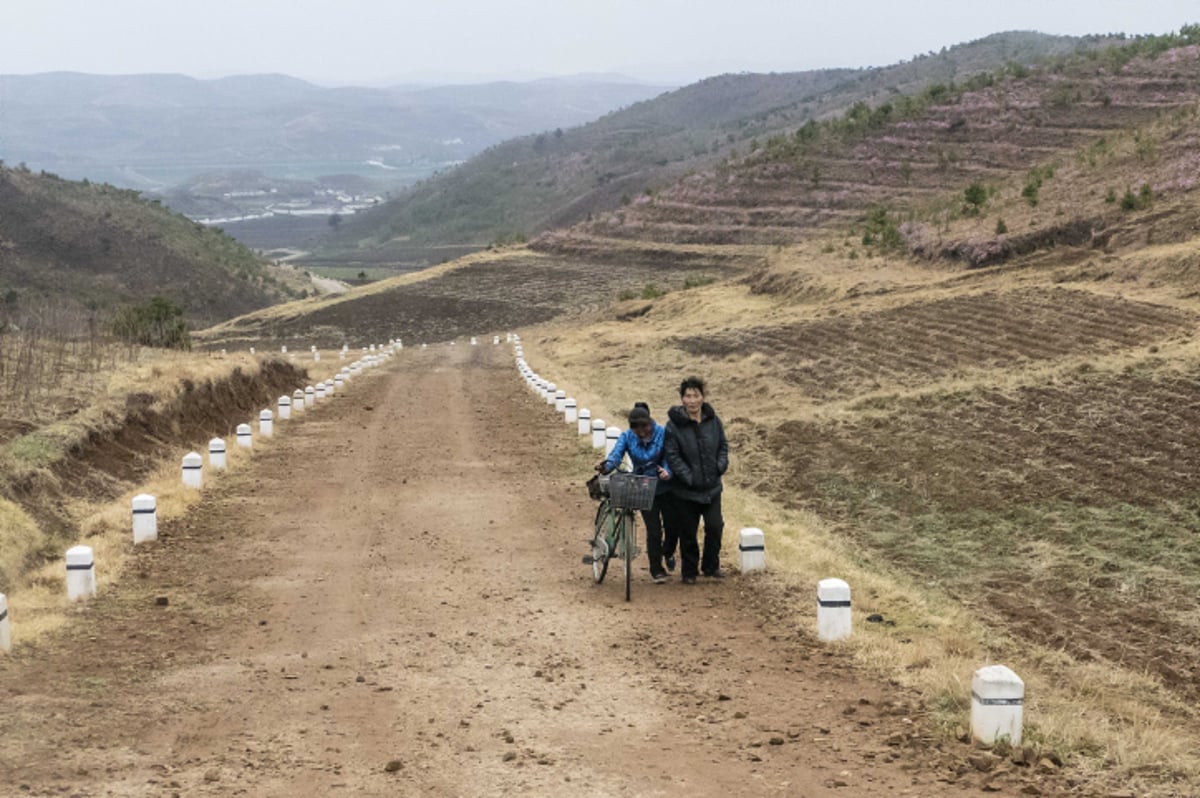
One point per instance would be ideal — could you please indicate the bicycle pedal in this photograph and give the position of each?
(588, 559)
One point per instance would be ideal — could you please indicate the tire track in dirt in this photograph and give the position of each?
(389, 601)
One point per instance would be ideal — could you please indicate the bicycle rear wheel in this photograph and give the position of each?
(601, 552)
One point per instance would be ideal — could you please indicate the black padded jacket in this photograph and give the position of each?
(696, 453)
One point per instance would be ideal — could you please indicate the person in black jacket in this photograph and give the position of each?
(697, 455)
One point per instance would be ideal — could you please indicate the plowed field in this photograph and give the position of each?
(1070, 510)
(487, 297)
(841, 357)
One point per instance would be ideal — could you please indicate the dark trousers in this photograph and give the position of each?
(687, 516)
(660, 532)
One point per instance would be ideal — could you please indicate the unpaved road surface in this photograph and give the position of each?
(390, 601)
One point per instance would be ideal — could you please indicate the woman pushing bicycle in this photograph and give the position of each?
(643, 442)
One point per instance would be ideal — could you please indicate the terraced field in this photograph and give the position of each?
(845, 356)
(1072, 114)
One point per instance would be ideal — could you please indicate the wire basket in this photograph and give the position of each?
(632, 491)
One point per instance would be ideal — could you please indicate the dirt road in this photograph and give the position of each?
(390, 601)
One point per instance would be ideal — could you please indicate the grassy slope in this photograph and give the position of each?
(534, 183)
(99, 246)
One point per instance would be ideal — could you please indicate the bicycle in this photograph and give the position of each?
(615, 529)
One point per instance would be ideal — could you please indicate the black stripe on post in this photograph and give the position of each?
(751, 548)
(997, 702)
(87, 567)
(827, 603)
(3, 615)
(151, 511)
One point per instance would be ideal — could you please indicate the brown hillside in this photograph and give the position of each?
(98, 247)
(914, 157)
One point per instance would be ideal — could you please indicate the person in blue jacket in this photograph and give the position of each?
(643, 442)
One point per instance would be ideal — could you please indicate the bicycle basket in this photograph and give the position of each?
(598, 487)
(632, 491)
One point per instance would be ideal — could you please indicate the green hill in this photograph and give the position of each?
(97, 246)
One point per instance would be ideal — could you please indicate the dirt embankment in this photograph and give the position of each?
(131, 444)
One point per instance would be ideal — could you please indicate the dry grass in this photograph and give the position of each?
(1116, 724)
(38, 605)
(41, 604)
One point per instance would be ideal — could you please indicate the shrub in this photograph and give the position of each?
(976, 196)
(1139, 201)
(881, 230)
(158, 322)
(697, 280)
(652, 291)
(1001, 227)
(1033, 183)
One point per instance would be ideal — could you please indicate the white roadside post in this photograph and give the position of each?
(752, 549)
(145, 518)
(570, 414)
(285, 408)
(266, 423)
(833, 610)
(245, 436)
(585, 421)
(597, 433)
(611, 436)
(5, 626)
(216, 454)
(560, 401)
(193, 470)
(551, 389)
(298, 402)
(81, 573)
(319, 392)
(997, 705)
(310, 396)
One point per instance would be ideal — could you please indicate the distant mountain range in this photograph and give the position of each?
(153, 132)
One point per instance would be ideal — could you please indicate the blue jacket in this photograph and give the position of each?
(646, 457)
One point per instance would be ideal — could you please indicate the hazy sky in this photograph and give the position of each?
(377, 41)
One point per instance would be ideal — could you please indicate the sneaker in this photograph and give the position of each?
(689, 580)
(717, 574)
(671, 563)
(659, 578)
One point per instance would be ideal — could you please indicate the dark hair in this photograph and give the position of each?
(640, 414)
(691, 382)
